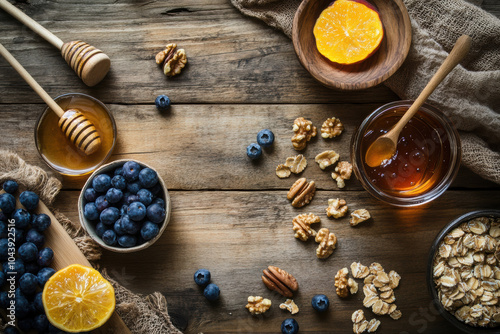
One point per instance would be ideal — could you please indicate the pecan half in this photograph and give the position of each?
(278, 280)
(301, 192)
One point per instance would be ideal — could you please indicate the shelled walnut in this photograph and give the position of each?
(301, 192)
(332, 127)
(258, 305)
(290, 305)
(327, 242)
(358, 216)
(326, 158)
(171, 59)
(337, 208)
(304, 131)
(302, 226)
(341, 286)
(343, 171)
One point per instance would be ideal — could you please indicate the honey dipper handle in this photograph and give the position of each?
(29, 79)
(30, 23)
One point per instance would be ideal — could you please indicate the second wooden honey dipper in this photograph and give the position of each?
(89, 63)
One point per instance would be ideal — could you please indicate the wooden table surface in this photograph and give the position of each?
(230, 215)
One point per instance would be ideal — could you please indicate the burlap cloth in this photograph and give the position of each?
(470, 95)
(141, 314)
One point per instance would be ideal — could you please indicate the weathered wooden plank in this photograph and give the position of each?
(232, 59)
(204, 146)
(236, 234)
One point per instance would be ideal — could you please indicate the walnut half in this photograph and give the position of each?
(359, 216)
(258, 305)
(327, 242)
(332, 127)
(304, 131)
(342, 172)
(336, 208)
(171, 59)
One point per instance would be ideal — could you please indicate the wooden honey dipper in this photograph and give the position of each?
(75, 126)
(89, 63)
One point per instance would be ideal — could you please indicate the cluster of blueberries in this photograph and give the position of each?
(319, 302)
(31, 264)
(202, 278)
(126, 207)
(265, 138)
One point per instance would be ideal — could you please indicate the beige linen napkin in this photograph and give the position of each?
(470, 95)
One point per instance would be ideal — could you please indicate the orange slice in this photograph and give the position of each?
(348, 31)
(78, 299)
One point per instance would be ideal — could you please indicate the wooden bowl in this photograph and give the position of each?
(368, 73)
(89, 226)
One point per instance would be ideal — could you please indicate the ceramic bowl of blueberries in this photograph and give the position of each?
(124, 206)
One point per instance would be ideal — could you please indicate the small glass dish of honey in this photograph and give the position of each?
(427, 155)
(58, 152)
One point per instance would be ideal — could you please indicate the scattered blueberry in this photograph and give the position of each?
(130, 226)
(7, 203)
(41, 323)
(149, 230)
(101, 183)
(43, 275)
(202, 277)
(90, 211)
(22, 218)
(100, 228)
(119, 182)
(45, 257)
(41, 222)
(127, 241)
(10, 186)
(320, 303)
(109, 238)
(145, 196)
(29, 200)
(131, 170)
(254, 151)
(211, 292)
(28, 252)
(156, 213)
(90, 194)
(28, 283)
(133, 187)
(136, 211)
(101, 203)
(265, 138)
(35, 237)
(114, 195)
(148, 178)
(289, 326)
(162, 102)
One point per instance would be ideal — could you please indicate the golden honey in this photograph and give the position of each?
(59, 152)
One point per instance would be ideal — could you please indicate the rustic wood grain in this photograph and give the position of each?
(236, 234)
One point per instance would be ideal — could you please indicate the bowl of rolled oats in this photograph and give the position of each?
(463, 274)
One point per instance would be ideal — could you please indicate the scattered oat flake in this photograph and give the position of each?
(283, 171)
(373, 325)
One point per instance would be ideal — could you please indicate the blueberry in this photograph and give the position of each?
(254, 151)
(202, 277)
(3, 229)
(25, 324)
(136, 211)
(123, 210)
(3, 217)
(156, 189)
(149, 230)
(11, 330)
(22, 306)
(320, 303)
(114, 195)
(22, 218)
(101, 183)
(109, 216)
(45, 257)
(38, 303)
(4, 249)
(90, 211)
(29, 200)
(41, 323)
(90, 194)
(118, 171)
(119, 182)
(162, 102)
(131, 170)
(31, 267)
(127, 241)
(17, 267)
(118, 228)
(43, 276)
(109, 237)
(133, 187)
(101, 203)
(211, 292)
(148, 178)
(4, 299)
(28, 283)
(289, 326)
(10, 186)
(100, 228)
(156, 213)
(35, 237)
(19, 236)
(28, 252)
(131, 199)
(130, 226)
(265, 138)
(145, 196)
(7, 203)
(3, 279)
(159, 201)
(41, 222)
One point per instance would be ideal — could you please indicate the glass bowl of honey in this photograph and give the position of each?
(426, 161)
(60, 153)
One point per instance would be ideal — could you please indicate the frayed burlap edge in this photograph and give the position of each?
(142, 314)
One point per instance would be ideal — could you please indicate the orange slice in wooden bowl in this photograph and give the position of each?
(348, 31)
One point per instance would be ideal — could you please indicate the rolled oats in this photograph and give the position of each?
(358, 216)
(373, 325)
(296, 163)
(358, 316)
(353, 286)
(358, 270)
(283, 171)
